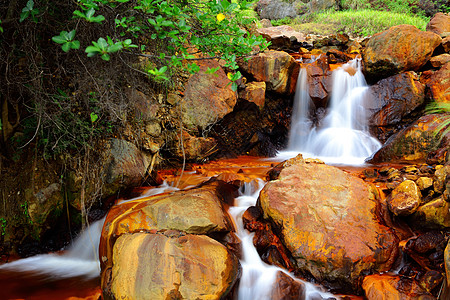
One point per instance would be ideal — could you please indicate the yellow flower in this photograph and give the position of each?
(229, 75)
(220, 17)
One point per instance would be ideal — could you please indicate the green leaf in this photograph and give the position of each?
(102, 44)
(79, 14)
(71, 35)
(90, 13)
(97, 19)
(105, 57)
(234, 86)
(24, 15)
(66, 47)
(75, 45)
(114, 48)
(92, 49)
(94, 117)
(59, 39)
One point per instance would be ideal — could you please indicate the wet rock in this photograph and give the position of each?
(282, 37)
(440, 60)
(125, 166)
(391, 287)
(441, 176)
(391, 100)
(315, 208)
(446, 44)
(404, 199)
(195, 149)
(207, 98)
(439, 24)
(424, 183)
(286, 288)
(413, 143)
(274, 68)
(446, 285)
(155, 266)
(254, 92)
(434, 215)
(319, 81)
(398, 49)
(335, 56)
(439, 85)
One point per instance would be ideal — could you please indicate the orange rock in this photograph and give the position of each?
(322, 214)
(439, 24)
(439, 84)
(398, 49)
(254, 92)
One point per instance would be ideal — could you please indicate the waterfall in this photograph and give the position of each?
(343, 135)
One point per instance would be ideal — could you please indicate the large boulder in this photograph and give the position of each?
(439, 85)
(282, 36)
(274, 68)
(391, 100)
(207, 98)
(398, 49)
(327, 219)
(439, 24)
(170, 266)
(197, 211)
(415, 142)
(275, 9)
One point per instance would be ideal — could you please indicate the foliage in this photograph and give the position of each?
(441, 108)
(3, 224)
(362, 22)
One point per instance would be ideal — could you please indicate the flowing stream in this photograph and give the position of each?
(342, 137)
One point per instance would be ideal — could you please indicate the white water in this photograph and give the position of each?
(343, 136)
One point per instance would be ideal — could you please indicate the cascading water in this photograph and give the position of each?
(343, 136)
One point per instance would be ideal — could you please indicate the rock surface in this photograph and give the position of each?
(413, 143)
(439, 85)
(254, 92)
(321, 212)
(398, 49)
(439, 24)
(207, 98)
(274, 68)
(157, 266)
(404, 199)
(392, 99)
(282, 36)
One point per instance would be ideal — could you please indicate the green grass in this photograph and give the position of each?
(360, 23)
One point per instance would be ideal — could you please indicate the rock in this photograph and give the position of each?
(439, 24)
(286, 288)
(319, 81)
(275, 9)
(125, 166)
(398, 49)
(413, 143)
(424, 183)
(404, 199)
(392, 99)
(42, 204)
(207, 98)
(440, 60)
(265, 23)
(195, 149)
(321, 5)
(274, 68)
(392, 287)
(315, 208)
(156, 266)
(281, 36)
(441, 176)
(335, 56)
(254, 92)
(145, 108)
(446, 44)
(447, 270)
(434, 215)
(439, 84)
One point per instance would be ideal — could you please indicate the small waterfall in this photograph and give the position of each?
(343, 135)
(258, 278)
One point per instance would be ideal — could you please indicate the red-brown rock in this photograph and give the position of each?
(439, 24)
(398, 49)
(327, 219)
(254, 92)
(439, 84)
(319, 81)
(440, 60)
(281, 36)
(274, 68)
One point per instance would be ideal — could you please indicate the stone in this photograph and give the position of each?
(155, 266)
(400, 48)
(413, 143)
(315, 208)
(195, 149)
(125, 166)
(440, 60)
(391, 100)
(145, 108)
(441, 174)
(285, 288)
(44, 202)
(207, 97)
(321, 5)
(446, 44)
(254, 92)
(434, 215)
(439, 24)
(319, 78)
(281, 36)
(446, 285)
(404, 199)
(275, 9)
(439, 85)
(274, 68)
(393, 287)
(424, 183)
